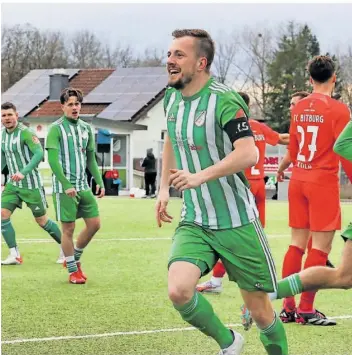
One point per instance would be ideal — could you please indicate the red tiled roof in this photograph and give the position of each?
(53, 108)
(86, 80)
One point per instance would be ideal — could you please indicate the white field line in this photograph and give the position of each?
(32, 239)
(134, 332)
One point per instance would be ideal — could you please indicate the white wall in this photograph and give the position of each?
(156, 123)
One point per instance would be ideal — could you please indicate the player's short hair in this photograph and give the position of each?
(301, 94)
(321, 68)
(245, 97)
(68, 92)
(206, 46)
(8, 106)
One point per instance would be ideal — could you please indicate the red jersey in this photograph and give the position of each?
(262, 135)
(316, 122)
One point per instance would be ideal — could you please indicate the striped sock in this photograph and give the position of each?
(274, 338)
(289, 286)
(71, 264)
(78, 253)
(54, 231)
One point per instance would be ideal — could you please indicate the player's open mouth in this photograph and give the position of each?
(174, 72)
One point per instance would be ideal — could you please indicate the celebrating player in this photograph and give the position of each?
(255, 175)
(22, 152)
(71, 148)
(210, 140)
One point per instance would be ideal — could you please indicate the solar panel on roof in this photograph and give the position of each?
(32, 89)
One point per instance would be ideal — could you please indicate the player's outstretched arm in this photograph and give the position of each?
(284, 138)
(343, 144)
(33, 144)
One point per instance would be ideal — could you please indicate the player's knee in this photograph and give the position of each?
(262, 316)
(345, 279)
(179, 294)
(41, 221)
(5, 214)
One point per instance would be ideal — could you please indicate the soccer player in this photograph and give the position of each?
(71, 148)
(314, 200)
(316, 278)
(22, 152)
(210, 141)
(255, 175)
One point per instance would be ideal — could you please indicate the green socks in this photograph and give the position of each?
(71, 264)
(53, 229)
(274, 338)
(78, 253)
(199, 313)
(8, 233)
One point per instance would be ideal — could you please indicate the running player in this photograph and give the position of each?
(22, 152)
(210, 140)
(255, 175)
(71, 148)
(316, 122)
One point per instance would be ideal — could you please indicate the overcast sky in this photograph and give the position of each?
(150, 25)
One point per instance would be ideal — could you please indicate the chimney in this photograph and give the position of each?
(58, 82)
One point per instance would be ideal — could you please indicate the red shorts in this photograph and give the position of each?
(314, 207)
(258, 190)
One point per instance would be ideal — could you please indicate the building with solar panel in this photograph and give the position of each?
(125, 103)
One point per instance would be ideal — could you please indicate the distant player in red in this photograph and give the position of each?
(255, 175)
(314, 196)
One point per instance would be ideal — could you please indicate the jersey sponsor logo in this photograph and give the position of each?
(15, 141)
(183, 143)
(69, 135)
(259, 137)
(200, 119)
(171, 118)
(35, 140)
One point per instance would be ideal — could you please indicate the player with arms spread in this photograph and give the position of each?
(22, 152)
(263, 135)
(71, 148)
(314, 199)
(210, 141)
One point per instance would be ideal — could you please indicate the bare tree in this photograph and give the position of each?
(257, 52)
(150, 58)
(345, 61)
(86, 50)
(225, 54)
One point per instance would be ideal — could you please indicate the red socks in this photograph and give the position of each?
(291, 265)
(219, 270)
(315, 258)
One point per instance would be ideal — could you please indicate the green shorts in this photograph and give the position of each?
(347, 234)
(68, 209)
(244, 252)
(13, 196)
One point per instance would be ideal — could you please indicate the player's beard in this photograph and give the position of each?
(181, 83)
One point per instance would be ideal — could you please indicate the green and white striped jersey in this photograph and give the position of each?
(17, 148)
(196, 130)
(73, 138)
